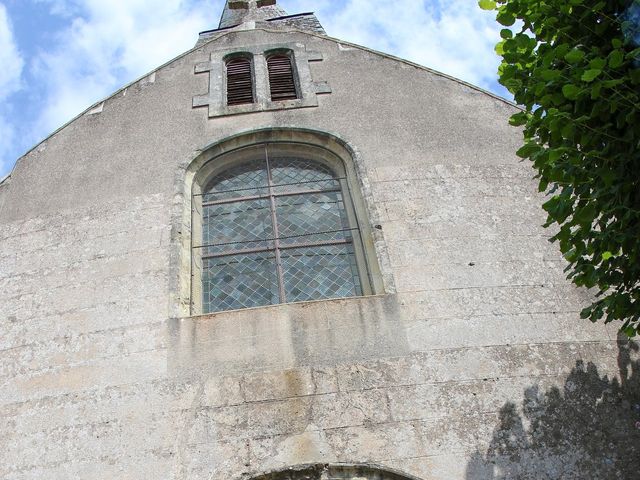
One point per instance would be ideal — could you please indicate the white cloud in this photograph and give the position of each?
(10, 60)
(11, 65)
(108, 44)
(455, 37)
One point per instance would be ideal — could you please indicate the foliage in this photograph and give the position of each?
(574, 65)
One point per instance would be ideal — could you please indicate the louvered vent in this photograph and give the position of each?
(239, 81)
(281, 81)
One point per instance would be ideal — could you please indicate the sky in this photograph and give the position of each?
(58, 57)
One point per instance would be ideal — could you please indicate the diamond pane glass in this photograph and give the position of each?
(245, 180)
(311, 218)
(239, 248)
(232, 226)
(320, 272)
(240, 281)
(297, 174)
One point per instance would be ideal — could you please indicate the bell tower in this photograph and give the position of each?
(263, 14)
(237, 12)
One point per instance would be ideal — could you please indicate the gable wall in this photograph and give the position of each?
(99, 382)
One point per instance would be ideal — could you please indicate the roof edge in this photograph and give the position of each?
(5, 179)
(421, 67)
(188, 52)
(105, 99)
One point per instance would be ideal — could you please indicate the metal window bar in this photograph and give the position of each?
(269, 195)
(287, 237)
(274, 221)
(230, 253)
(276, 246)
(221, 192)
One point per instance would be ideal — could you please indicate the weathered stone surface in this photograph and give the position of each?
(474, 365)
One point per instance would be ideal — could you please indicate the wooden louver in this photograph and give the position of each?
(281, 80)
(239, 81)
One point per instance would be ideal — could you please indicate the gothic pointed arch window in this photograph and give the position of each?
(275, 224)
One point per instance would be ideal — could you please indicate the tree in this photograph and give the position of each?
(574, 67)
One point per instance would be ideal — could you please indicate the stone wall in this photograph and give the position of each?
(476, 367)
(307, 23)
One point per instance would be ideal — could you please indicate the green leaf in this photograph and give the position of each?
(598, 63)
(570, 91)
(552, 204)
(487, 4)
(550, 75)
(607, 255)
(630, 332)
(574, 56)
(555, 155)
(590, 75)
(528, 150)
(506, 33)
(608, 177)
(571, 256)
(616, 58)
(513, 84)
(567, 131)
(613, 83)
(519, 119)
(522, 40)
(586, 214)
(499, 48)
(506, 19)
(542, 186)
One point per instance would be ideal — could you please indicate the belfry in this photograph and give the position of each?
(284, 256)
(238, 12)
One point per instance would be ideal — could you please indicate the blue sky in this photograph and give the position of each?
(57, 57)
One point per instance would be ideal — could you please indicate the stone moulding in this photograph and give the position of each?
(337, 471)
(215, 99)
(359, 187)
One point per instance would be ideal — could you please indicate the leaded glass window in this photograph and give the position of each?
(276, 228)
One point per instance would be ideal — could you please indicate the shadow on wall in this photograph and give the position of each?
(589, 430)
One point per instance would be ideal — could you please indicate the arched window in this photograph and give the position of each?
(239, 81)
(281, 78)
(276, 226)
(343, 471)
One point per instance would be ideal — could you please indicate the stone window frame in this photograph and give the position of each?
(215, 99)
(334, 471)
(304, 151)
(193, 174)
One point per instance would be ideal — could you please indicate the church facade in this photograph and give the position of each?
(285, 256)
